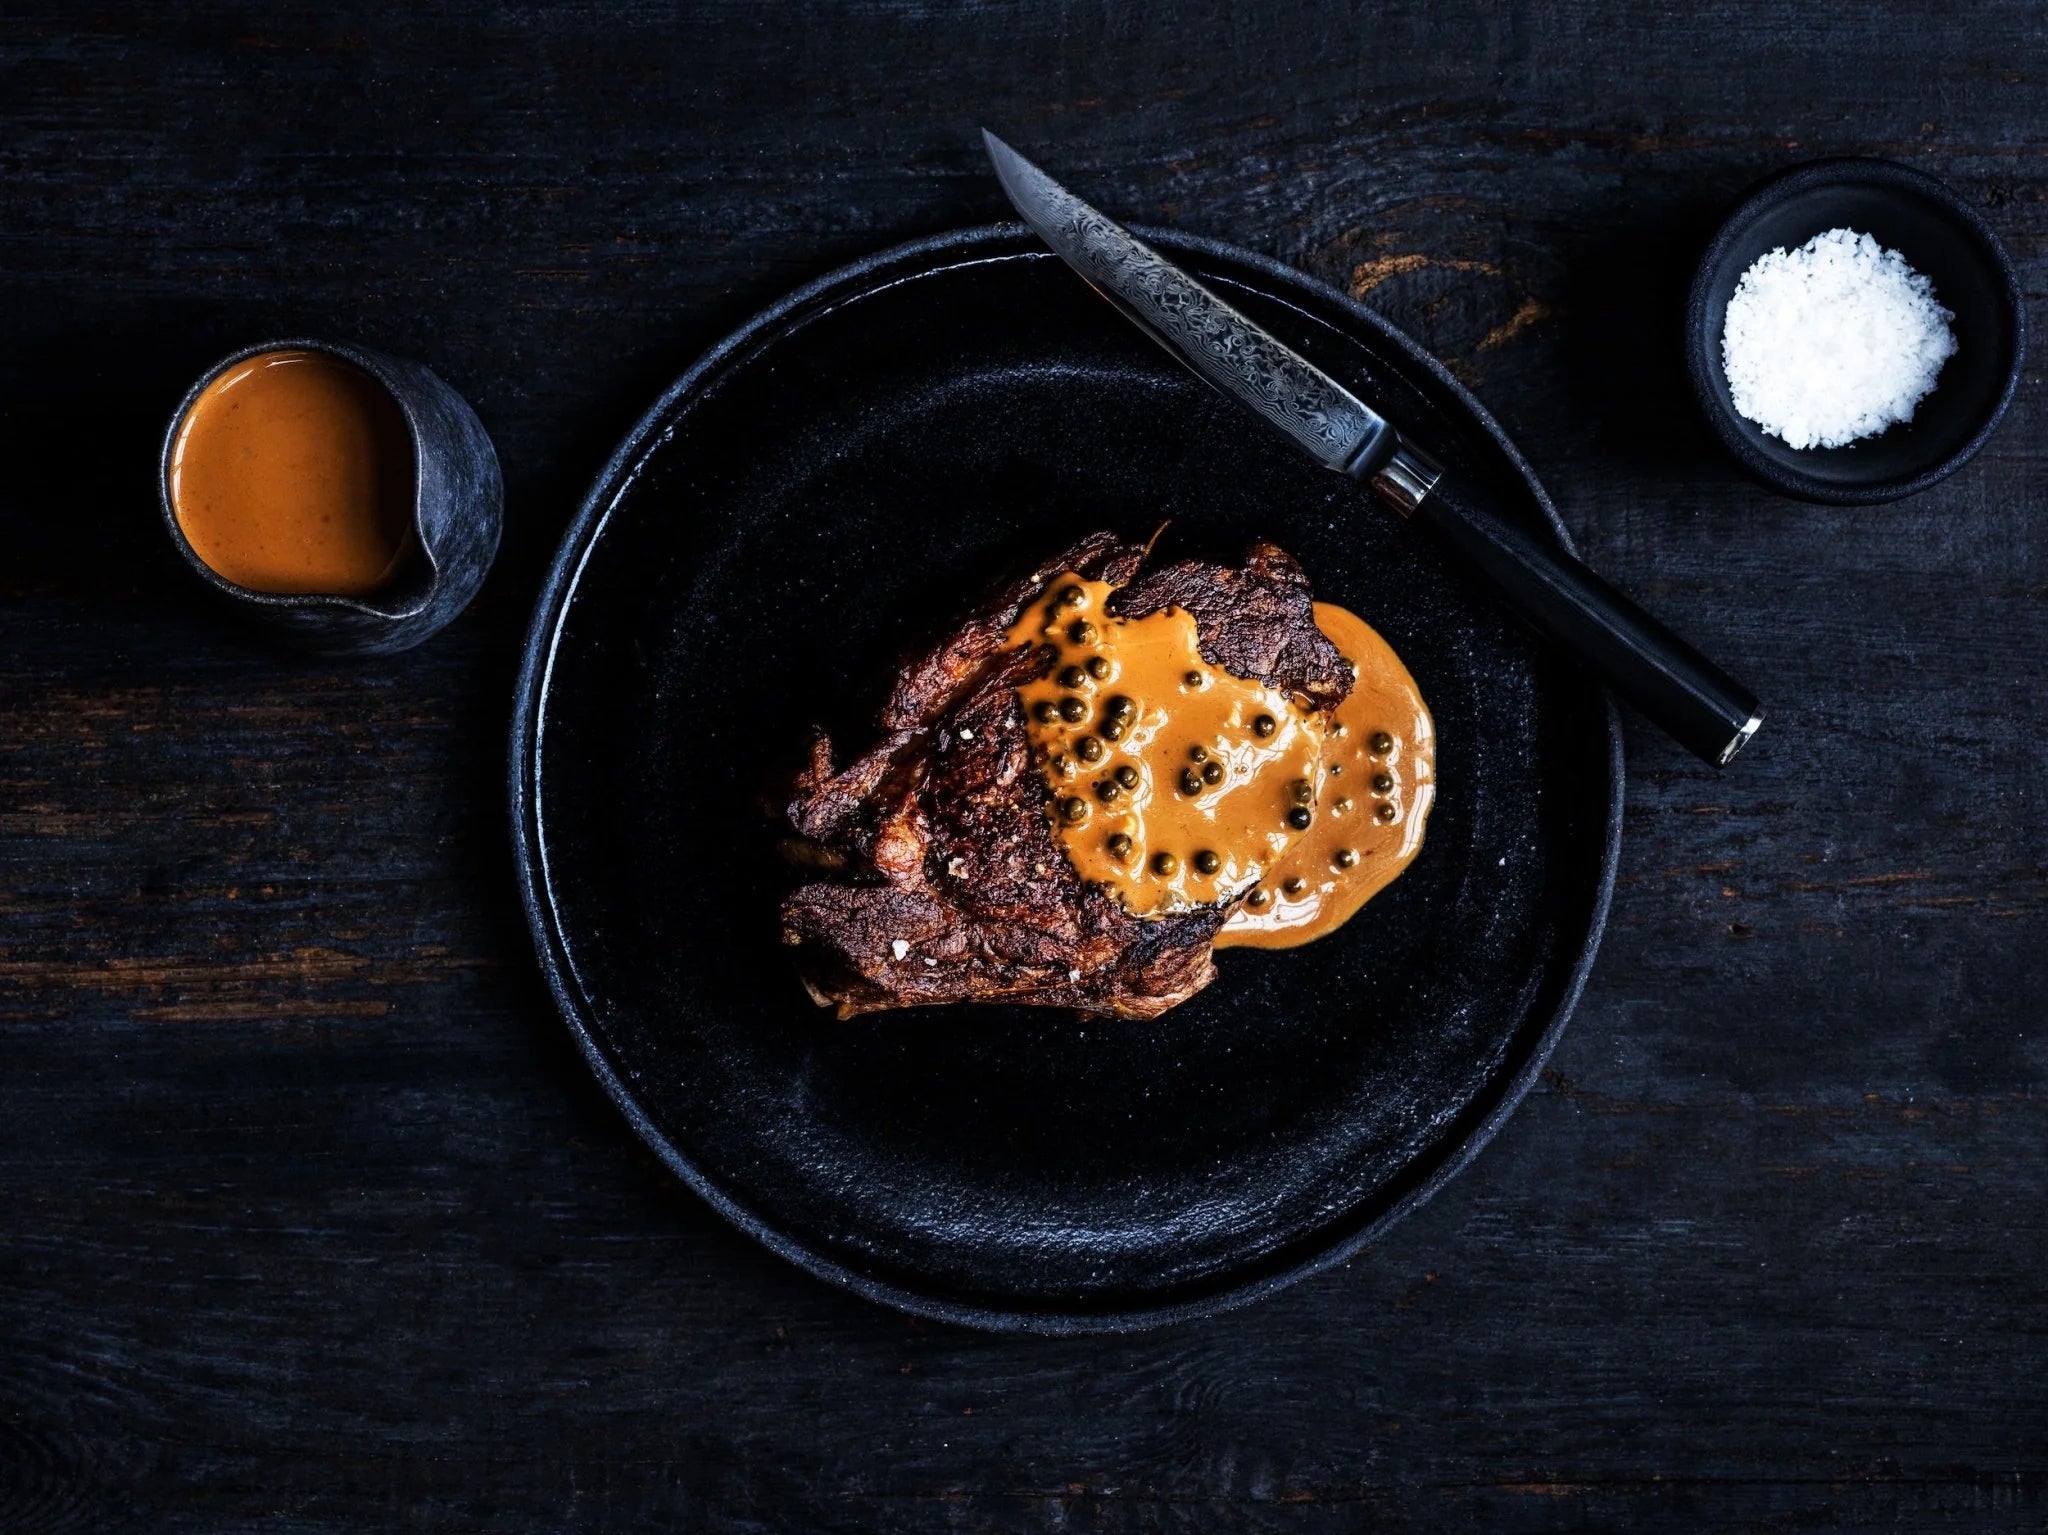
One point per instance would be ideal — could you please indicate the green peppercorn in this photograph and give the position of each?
(1190, 781)
(1299, 818)
(1088, 749)
(1072, 710)
(1343, 804)
(1212, 772)
(1071, 596)
(1073, 677)
(1344, 858)
(1127, 775)
(1264, 725)
(1198, 754)
(1259, 900)
(1081, 632)
(1383, 783)
(1098, 667)
(1296, 885)
(1207, 862)
(1119, 707)
(1112, 730)
(1119, 846)
(1165, 865)
(1381, 743)
(1045, 711)
(1385, 812)
(1302, 792)
(1191, 679)
(1108, 792)
(1075, 809)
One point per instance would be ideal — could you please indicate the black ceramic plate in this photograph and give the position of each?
(800, 509)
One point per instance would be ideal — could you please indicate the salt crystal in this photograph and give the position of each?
(899, 948)
(1834, 341)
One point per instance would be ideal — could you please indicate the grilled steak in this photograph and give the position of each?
(938, 877)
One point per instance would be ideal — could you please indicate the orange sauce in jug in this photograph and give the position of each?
(293, 472)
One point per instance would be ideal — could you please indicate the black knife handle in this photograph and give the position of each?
(1678, 689)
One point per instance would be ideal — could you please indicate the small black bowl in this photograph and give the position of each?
(1942, 237)
(458, 508)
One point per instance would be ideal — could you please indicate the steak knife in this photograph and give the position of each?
(1678, 689)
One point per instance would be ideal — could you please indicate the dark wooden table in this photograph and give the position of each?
(310, 1217)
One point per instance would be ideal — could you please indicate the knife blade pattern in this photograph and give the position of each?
(1216, 340)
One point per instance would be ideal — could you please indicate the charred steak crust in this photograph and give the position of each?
(940, 877)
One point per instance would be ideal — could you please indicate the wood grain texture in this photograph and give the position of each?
(313, 1219)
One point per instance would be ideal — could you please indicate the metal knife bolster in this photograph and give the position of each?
(1398, 471)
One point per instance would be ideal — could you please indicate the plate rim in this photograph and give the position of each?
(537, 653)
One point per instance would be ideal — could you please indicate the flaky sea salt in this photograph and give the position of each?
(1834, 341)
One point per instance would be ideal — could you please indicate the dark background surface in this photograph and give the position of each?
(310, 1217)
